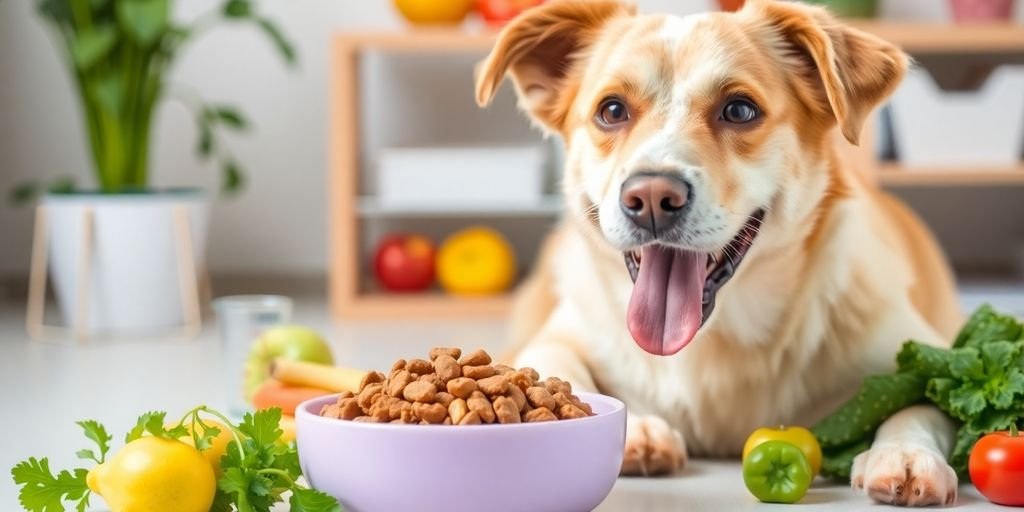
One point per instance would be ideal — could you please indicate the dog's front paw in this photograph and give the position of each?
(652, 447)
(905, 474)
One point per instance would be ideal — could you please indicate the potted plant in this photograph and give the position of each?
(124, 248)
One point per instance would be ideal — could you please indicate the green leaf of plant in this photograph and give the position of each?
(987, 325)
(966, 402)
(98, 434)
(153, 423)
(24, 193)
(62, 185)
(263, 426)
(238, 9)
(1005, 389)
(309, 500)
(965, 439)
(203, 438)
(233, 179)
(206, 142)
(998, 355)
(965, 364)
(284, 47)
(880, 397)
(229, 117)
(143, 20)
(938, 392)
(91, 45)
(41, 491)
(221, 502)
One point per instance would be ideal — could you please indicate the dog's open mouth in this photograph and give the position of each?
(674, 289)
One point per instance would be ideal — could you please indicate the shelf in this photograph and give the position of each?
(371, 207)
(895, 175)
(912, 37)
(426, 306)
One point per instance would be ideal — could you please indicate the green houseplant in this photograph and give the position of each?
(119, 53)
(144, 247)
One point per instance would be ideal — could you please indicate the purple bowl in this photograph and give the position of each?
(557, 466)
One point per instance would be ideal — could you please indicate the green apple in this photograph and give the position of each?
(285, 341)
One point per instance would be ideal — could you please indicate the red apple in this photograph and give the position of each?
(499, 12)
(404, 263)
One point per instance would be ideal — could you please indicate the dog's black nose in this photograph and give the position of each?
(654, 201)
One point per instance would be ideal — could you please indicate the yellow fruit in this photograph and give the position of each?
(217, 448)
(153, 474)
(288, 427)
(434, 12)
(476, 261)
(796, 436)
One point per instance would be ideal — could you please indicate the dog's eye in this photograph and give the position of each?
(739, 112)
(612, 112)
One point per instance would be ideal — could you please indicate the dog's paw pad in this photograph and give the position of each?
(905, 475)
(652, 447)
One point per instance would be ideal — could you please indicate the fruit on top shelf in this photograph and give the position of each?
(499, 12)
(404, 263)
(434, 12)
(476, 261)
(286, 342)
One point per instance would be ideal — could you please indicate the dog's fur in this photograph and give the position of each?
(838, 277)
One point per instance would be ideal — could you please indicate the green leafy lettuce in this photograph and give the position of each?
(979, 383)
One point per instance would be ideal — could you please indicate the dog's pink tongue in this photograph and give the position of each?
(665, 309)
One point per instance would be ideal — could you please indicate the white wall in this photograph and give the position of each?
(278, 225)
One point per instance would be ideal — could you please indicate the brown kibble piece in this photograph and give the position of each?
(370, 378)
(458, 409)
(585, 407)
(531, 373)
(472, 418)
(502, 369)
(350, 408)
(398, 382)
(569, 411)
(444, 398)
(447, 368)
(419, 366)
(344, 395)
(366, 396)
(395, 409)
(519, 380)
(381, 414)
(431, 413)
(495, 385)
(556, 385)
(540, 397)
(399, 365)
(479, 404)
(517, 396)
(562, 399)
(420, 391)
(462, 387)
(455, 353)
(408, 415)
(366, 419)
(506, 411)
(433, 379)
(475, 358)
(539, 414)
(478, 372)
(447, 421)
(331, 411)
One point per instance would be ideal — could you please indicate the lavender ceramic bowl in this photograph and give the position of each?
(558, 466)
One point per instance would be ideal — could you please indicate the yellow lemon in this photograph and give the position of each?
(476, 261)
(434, 12)
(153, 474)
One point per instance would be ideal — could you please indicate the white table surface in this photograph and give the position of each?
(46, 386)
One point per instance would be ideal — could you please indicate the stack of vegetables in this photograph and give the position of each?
(293, 382)
(979, 382)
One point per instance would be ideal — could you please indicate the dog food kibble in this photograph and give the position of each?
(453, 388)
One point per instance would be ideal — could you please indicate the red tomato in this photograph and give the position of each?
(404, 263)
(499, 12)
(997, 467)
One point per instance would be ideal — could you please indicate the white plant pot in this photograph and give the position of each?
(134, 281)
(936, 128)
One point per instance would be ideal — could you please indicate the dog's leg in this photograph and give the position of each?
(653, 447)
(906, 464)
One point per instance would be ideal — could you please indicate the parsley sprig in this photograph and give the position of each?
(259, 468)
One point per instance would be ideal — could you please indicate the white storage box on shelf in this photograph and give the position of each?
(935, 128)
(460, 177)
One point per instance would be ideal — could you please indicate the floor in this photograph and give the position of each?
(49, 385)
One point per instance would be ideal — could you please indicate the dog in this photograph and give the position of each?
(712, 219)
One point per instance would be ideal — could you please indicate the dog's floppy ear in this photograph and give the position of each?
(856, 70)
(538, 49)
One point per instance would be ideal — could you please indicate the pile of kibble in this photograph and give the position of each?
(452, 389)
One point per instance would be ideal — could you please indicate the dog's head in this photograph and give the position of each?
(684, 135)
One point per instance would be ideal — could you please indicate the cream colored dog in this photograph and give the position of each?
(762, 279)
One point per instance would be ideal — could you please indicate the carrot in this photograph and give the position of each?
(275, 394)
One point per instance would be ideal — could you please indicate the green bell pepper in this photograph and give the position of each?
(777, 472)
